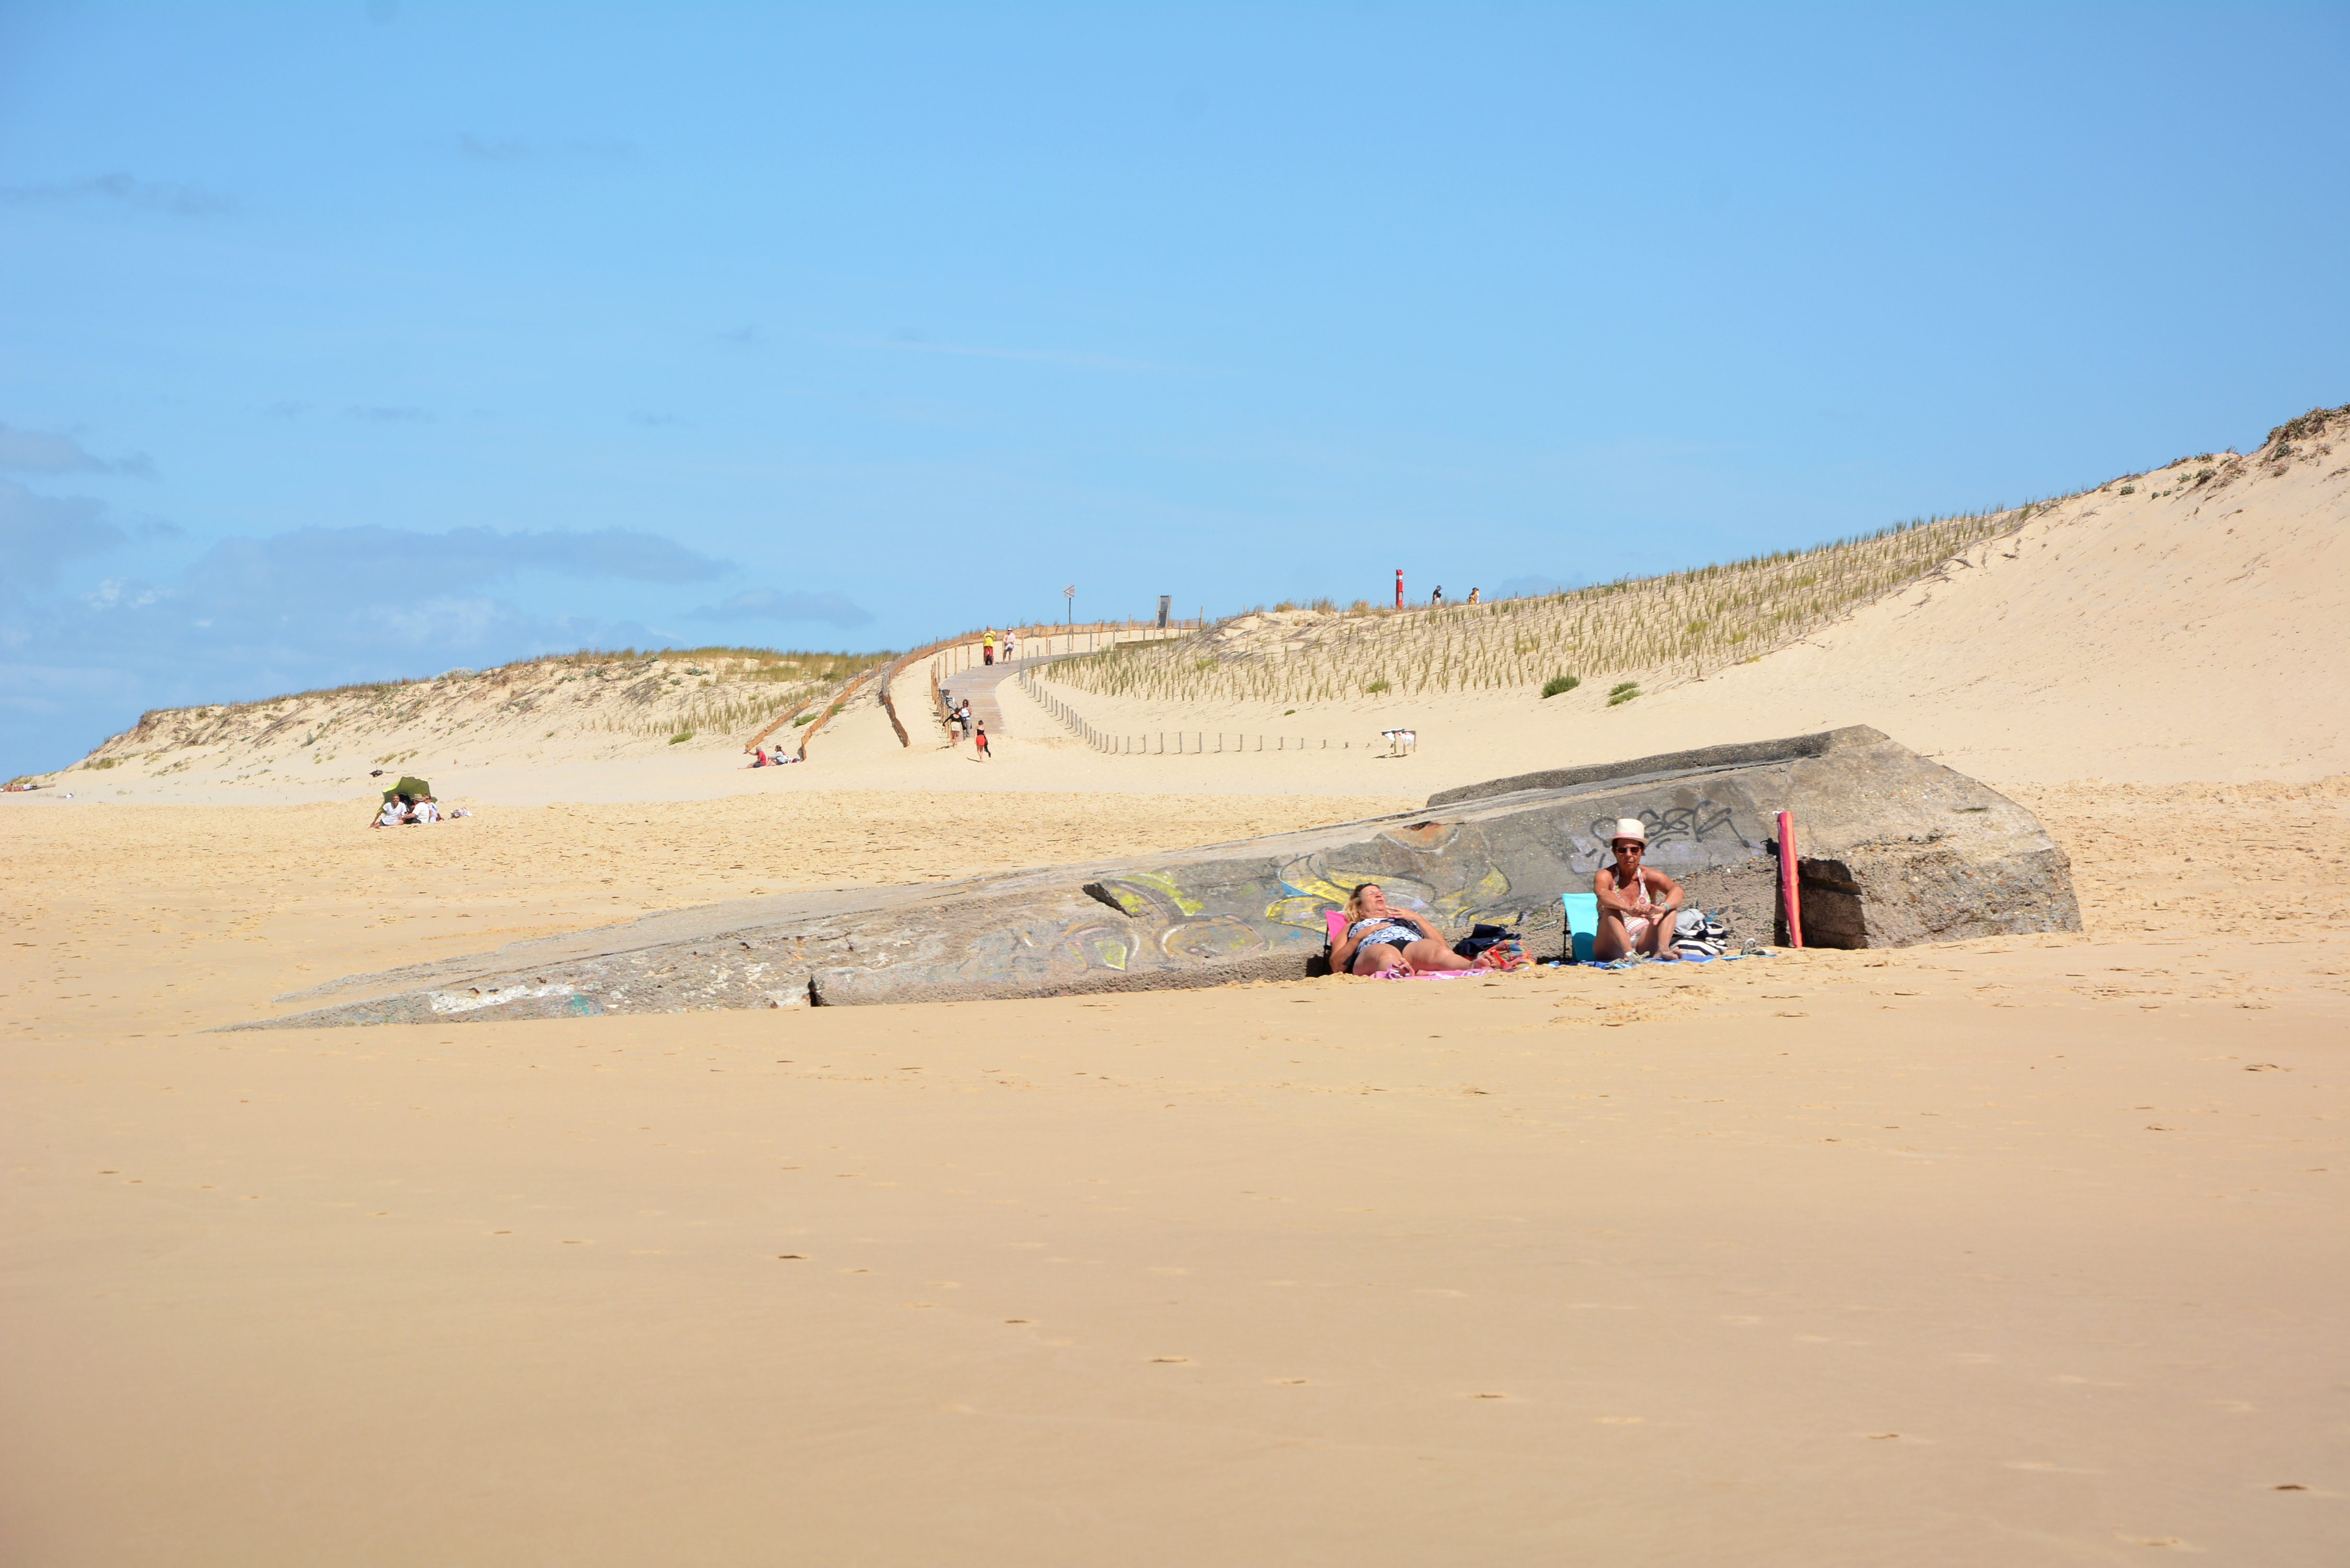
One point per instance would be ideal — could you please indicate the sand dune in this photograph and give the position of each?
(2183, 631)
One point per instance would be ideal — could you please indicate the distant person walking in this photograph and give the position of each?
(1011, 645)
(983, 743)
(987, 648)
(962, 717)
(1436, 599)
(1472, 596)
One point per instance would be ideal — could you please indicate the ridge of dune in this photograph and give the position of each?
(546, 712)
(2185, 622)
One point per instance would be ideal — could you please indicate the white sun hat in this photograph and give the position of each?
(1630, 827)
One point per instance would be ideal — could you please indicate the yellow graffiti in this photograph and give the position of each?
(1164, 884)
(1312, 894)
(1490, 886)
(1304, 912)
(1110, 951)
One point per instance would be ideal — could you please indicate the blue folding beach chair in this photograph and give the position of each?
(1582, 922)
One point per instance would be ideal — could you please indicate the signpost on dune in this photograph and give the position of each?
(1399, 587)
(1068, 609)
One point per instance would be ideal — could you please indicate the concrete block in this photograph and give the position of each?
(1895, 849)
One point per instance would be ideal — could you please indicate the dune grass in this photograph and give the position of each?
(1686, 621)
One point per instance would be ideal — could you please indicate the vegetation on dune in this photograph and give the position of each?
(1688, 620)
(671, 695)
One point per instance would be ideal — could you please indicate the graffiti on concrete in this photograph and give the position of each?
(1691, 819)
(1145, 894)
(1215, 937)
(1441, 891)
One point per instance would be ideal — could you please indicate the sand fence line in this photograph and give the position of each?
(1153, 743)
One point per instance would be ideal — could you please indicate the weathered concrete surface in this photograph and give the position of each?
(1896, 850)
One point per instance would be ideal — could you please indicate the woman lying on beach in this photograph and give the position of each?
(1637, 904)
(1380, 937)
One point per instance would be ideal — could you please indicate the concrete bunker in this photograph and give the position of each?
(1896, 850)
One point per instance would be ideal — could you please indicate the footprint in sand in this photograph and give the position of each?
(1293, 1382)
(1169, 1360)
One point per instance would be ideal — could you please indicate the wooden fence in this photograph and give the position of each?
(1155, 742)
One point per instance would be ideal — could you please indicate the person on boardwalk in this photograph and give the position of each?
(987, 648)
(962, 717)
(981, 738)
(1011, 645)
(1638, 905)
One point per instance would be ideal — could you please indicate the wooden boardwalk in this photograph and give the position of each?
(979, 683)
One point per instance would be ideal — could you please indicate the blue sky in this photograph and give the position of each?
(344, 341)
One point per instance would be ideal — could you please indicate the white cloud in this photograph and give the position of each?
(773, 604)
(45, 452)
(155, 195)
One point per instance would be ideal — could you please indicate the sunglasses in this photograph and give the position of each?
(1629, 848)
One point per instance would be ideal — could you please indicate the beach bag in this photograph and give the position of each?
(1699, 932)
(1481, 937)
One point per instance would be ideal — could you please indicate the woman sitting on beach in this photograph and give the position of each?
(394, 812)
(1638, 905)
(1380, 937)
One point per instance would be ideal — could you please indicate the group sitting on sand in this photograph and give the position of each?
(1639, 916)
(408, 811)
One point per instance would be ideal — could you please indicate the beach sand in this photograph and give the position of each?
(2010, 1252)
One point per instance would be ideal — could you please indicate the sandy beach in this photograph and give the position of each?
(1960, 1254)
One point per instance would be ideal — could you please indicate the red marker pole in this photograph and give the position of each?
(1790, 898)
(1399, 587)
